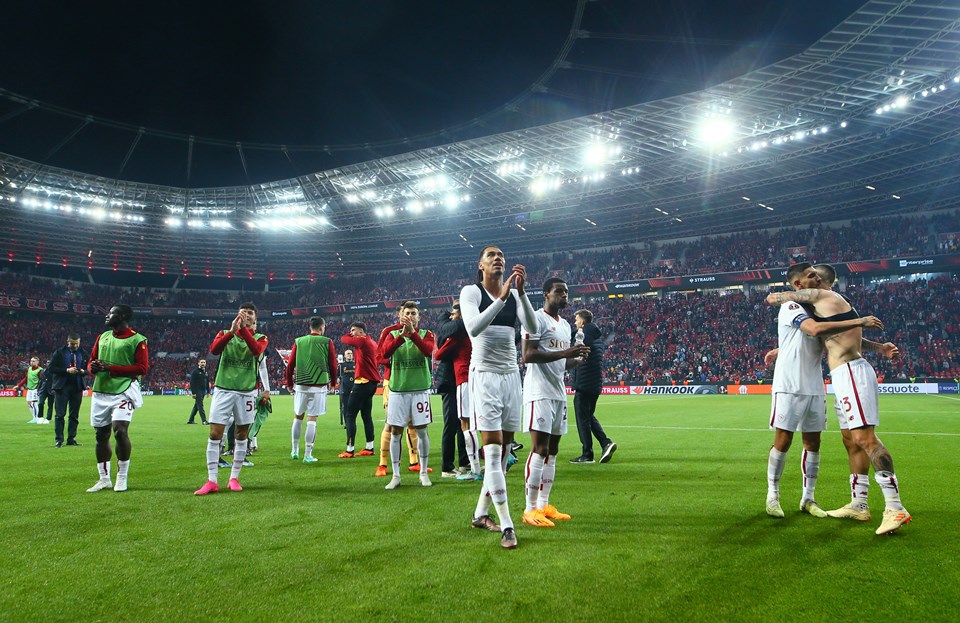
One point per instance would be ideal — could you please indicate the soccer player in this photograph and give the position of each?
(858, 460)
(409, 350)
(547, 353)
(32, 382)
(118, 360)
(241, 351)
(491, 308)
(385, 435)
(311, 372)
(798, 397)
(365, 380)
(457, 349)
(855, 386)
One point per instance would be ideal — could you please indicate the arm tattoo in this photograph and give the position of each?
(805, 296)
(881, 460)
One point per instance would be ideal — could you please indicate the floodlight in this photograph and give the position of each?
(716, 132)
(595, 154)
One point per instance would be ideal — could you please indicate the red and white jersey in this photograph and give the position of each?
(798, 363)
(544, 381)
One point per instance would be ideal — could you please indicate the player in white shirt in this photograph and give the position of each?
(547, 354)
(490, 311)
(798, 396)
(855, 386)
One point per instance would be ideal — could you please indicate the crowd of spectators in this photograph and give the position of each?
(672, 338)
(701, 337)
(859, 240)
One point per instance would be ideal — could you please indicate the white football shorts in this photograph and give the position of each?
(227, 403)
(798, 413)
(107, 408)
(855, 386)
(409, 409)
(545, 416)
(309, 400)
(463, 404)
(496, 400)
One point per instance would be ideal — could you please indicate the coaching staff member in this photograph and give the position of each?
(588, 383)
(68, 364)
(199, 387)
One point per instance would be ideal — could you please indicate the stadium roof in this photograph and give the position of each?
(863, 122)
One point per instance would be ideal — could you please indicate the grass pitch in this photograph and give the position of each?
(672, 529)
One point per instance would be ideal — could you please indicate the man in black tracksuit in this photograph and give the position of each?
(588, 383)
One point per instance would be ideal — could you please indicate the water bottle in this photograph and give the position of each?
(578, 340)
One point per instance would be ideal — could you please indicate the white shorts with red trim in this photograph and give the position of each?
(409, 409)
(798, 412)
(463, 404)
(228, 403)
(108, 408)
(309, 400)
(496, 400)
(855, 385)
(545, 416)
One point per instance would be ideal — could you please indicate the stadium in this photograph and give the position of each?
(670, 206)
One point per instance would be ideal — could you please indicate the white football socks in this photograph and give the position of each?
(810, 468)
(859, 487)
(775, 462)
(239, 455)
(546, 480)
(470, 441)
(213, 459)
(395, 454)
(423, 449)
(890, 488)
(534, 476)
(496, 483)
(295, 435)
(309, 439)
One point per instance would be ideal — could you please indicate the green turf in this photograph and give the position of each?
(672, 529)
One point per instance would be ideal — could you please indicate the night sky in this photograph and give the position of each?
(390, 73)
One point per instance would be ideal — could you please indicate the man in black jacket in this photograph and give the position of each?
(199, 387)
(452, 436)
(588, 383)
(45, 396)
(348, 372)
(67, 367)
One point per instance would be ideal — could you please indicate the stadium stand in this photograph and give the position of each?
(699, 337)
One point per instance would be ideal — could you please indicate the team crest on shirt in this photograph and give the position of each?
(793, 306)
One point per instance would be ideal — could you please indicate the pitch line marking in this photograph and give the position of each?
(767, 430)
